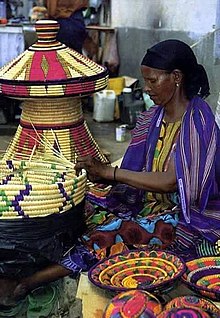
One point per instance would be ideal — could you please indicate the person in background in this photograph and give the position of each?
(69, 14)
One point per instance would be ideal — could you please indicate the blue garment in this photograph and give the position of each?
(72, 31)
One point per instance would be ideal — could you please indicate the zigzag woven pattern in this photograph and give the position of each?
(36, 188)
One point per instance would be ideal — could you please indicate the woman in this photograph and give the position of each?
(168, 195)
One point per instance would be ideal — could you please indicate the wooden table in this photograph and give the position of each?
(94, 299)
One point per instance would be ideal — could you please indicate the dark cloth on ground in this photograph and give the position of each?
(29, 244)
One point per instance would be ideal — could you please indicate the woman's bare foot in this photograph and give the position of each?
(7, 288)
(20, 291)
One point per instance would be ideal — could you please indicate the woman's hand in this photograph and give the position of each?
(96, 169)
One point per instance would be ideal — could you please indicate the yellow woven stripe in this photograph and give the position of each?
(46, 48)
(15, 72)
(39, 213)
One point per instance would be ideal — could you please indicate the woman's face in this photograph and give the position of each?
(159, 85)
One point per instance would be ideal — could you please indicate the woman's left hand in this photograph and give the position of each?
(96, 169)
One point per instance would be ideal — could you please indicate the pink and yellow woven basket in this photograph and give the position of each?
(49, 69)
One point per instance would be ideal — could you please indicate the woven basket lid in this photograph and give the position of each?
(50, 69)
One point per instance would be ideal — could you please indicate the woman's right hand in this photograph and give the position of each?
(96, 169)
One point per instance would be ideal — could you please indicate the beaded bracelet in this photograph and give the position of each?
(116, 167)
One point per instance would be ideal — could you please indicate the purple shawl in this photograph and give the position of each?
(197, 169)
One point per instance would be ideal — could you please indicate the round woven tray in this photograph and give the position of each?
(194, 302)
(203, 276)
(140, 269)
(133, 303)
(184, 313)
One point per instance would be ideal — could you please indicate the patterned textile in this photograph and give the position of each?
(198, 174)
(155, 227)
(157, 202)
(198, 171)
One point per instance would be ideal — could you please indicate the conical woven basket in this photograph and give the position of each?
(49, 69)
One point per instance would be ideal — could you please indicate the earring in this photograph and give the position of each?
(177, 84)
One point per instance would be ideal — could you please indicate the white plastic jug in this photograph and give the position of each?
(104, 105)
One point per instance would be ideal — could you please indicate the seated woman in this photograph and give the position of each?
(167, 191)
(168, 195)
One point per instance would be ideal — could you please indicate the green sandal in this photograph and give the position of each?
(42, 301)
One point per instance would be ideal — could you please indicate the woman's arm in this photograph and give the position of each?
(161, 182)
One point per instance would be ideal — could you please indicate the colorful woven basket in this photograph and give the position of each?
(194, 302)
(203, 276)
(155, 271)
(58, 121)
(50, 69)
(133, 303)
(184, 313)
(36, 188)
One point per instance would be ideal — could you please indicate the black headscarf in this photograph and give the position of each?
(174, 54)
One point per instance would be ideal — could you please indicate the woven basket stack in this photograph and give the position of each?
(50, 69)
(51, 78)
(37, 170)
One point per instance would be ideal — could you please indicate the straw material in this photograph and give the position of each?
(36, 188)
(142, 269)
(50, 69)
(61, 123)
(51, 131)
(203, 276)
(192, 301)
(133, 303)
(184, 312)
